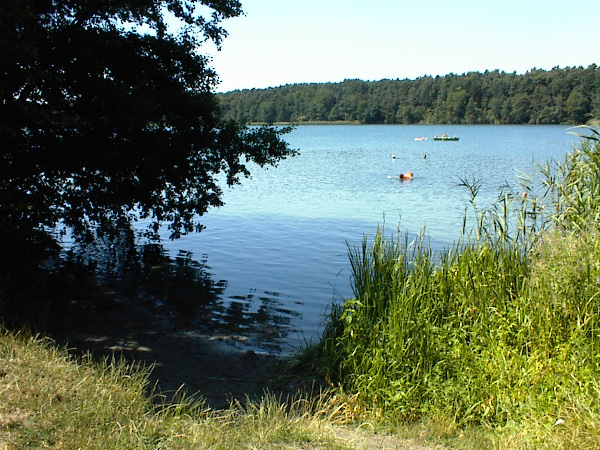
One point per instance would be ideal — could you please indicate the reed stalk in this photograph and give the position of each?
(503, 324)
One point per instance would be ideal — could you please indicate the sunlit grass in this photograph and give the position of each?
(499, 332)
(50, 400)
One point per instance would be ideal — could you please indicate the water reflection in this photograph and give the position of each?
(264, 317)
(182, 289)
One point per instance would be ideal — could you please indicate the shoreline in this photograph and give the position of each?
(207, 367)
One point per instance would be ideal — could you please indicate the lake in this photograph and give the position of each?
(277, 253)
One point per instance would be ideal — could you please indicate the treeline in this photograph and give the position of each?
(558, 96)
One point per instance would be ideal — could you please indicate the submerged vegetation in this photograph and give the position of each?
(491, 343)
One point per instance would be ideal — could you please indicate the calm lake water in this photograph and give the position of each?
(276, 253)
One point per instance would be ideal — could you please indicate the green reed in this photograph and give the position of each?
(418, 326)
(573, 186)
(504, 324)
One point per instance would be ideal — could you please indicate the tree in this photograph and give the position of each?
(577, 107)
(520, 111)
(108, 114)
(494, 97)
(456, 105)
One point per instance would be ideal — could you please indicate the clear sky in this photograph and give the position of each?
(282, 42)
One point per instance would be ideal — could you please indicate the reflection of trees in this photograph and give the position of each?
(268, 325)
(179, 287)
(182, 288)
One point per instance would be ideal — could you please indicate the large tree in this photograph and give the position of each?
(107, 114)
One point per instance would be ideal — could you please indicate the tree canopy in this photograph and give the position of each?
(108, 115)
(558, 96)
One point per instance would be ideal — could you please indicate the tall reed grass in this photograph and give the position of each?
(501, 326)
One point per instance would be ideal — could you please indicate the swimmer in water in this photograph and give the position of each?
(403, 176)
(406, 176)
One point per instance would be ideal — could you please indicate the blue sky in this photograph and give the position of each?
(295, 41)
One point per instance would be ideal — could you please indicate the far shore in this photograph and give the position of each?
(315, 122)
(342, 122)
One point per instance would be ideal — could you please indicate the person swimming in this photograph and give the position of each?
(403, 176)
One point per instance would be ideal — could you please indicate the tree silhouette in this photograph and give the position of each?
(108, 115)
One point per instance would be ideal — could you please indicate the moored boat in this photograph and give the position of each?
(421, 138)
(445, 137)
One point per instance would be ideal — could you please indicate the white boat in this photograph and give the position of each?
(421, 138)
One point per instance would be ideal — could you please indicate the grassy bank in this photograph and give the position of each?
(492, 343)
(502, 331)
(49, 399)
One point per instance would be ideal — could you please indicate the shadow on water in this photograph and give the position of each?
(182, 290)
(123, 298)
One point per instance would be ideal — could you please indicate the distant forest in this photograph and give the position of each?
(558, 96)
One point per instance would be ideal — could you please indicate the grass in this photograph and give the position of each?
(499, 332)
(50, 400)
(491, 343)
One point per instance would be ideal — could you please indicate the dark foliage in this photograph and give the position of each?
(107, 115)
(559, 96)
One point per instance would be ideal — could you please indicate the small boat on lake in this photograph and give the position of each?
(445, 137)
(421, 138)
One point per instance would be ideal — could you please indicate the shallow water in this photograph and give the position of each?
(277, 250)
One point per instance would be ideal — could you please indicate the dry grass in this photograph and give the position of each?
(48, 399)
